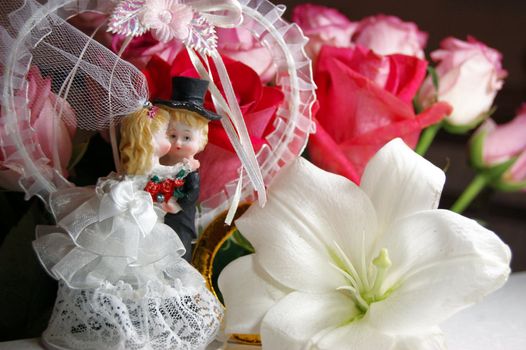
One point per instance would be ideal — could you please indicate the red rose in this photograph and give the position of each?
(364, 102)
(178, 182)
(258, 103)
(167, 186)
(152, 188)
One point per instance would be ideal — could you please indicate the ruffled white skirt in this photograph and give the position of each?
(123, 283)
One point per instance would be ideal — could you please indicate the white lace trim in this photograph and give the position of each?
(119, 317)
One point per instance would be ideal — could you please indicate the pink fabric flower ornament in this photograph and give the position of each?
(167, 19)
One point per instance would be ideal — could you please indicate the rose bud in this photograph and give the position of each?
(388, 35)
(500, 150)
(323, 26)
(469, 76)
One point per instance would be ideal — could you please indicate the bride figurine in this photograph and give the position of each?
(122, 281)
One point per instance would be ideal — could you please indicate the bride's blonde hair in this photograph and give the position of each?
(136, 147)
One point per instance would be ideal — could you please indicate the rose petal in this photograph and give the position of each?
(309, 223)
(517, 172)
(329, 156)
(248, 293)
(442, 262)
(399, 182)
(406, 76)
(53, 136)
(505, 141)
(299, 316)
(216, 160)
(367, 108)
(157, 74)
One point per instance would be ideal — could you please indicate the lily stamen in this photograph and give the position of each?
(382, 264)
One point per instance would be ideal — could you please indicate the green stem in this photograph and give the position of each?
(477, 184)
(427, 137)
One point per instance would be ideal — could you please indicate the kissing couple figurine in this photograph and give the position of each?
(123, 283)
(187, 131)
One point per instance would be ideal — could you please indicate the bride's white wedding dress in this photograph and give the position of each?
(122, 281)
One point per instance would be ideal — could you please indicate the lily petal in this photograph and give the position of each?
(299, 316)
(432, 340)
(356, 336)
(442, 262)
(309, 210)
(399, 182)
(248, 295)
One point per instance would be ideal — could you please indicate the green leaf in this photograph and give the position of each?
(434, 76)
(417, 105)
(507, 186)
(234, 247)
(180, 174)
(240, 240)
(496, 171)
(476, 148)
(462, 129)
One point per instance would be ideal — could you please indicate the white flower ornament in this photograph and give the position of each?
(167, 19)
(192, 22)
(339, 266)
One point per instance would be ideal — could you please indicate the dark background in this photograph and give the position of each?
(27, 293)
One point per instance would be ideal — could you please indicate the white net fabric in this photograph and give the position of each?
(85, 86)
(98, 85)
(118, 317)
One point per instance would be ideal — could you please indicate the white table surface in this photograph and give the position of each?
(497, 323)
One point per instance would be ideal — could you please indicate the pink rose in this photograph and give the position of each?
(364, 102)
(470, 74)
(44, 106)
(494, 145)
(387, 35)
(240, 45)
(141, 49)
(323, 26)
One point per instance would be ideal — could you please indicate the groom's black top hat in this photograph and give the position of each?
(189, 93)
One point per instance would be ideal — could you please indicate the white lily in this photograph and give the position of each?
(339, 266)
